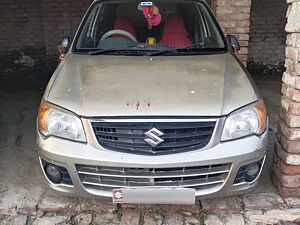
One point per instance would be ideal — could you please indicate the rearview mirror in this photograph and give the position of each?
(234, 43)
(63, 48)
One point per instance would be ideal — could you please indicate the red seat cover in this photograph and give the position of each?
(124, 24)
(174, 32)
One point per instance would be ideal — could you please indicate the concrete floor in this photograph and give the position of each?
(270, 91)
(21, 181)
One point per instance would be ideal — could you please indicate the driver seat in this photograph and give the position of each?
(124, 24)
(174, 32)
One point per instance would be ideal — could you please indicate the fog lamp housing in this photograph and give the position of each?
(53, 173)
(250, 172)
(56, 174)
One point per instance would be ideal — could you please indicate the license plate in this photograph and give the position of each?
(154, 196)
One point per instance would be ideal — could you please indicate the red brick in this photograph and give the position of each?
(152, 218)
(294, 202)
(95, 206)
(244, 43)
(69, 208)
(292, 53)
(291, 120)
(227, 24)
(57, 204)
(288, 145)
(243, 37)
(27, 210)
(289, 77)
(243, 51)
(244, 23)
(173, 219)
(130, 217)
(285, 168)
(290, 92)
(291, 134)
(224, 10)
(140, 206)
(290, 106)
(227, 204)
(285, 191)
(289, 158)
(241, 16)
(7, 211)
(243, 57)
(262, 201)
(242, 3)
(220, 18)
(243, 30)
(289, 181)
(178, 208)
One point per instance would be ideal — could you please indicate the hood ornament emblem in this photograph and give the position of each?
(154, 137)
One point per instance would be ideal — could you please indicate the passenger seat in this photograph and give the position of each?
(174, 33)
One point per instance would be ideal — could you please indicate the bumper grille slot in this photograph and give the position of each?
(107, 178)
(130, 137)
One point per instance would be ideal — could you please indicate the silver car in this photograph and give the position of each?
(149, 104)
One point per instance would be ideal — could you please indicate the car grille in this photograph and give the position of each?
(130, 137)
(107, 178)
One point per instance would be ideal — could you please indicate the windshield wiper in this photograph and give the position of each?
(192, 45)
(150, 52)
(161, 52)
(108, 50)
(175, 50)
(125, 49)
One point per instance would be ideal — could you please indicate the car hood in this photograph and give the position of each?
(202, 85)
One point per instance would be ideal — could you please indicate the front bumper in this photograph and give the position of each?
(236, 153)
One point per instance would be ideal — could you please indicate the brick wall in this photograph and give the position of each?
(233, 16)
(60, 18)
(21, 38)
(29, 34)
(267, 36)
(31, 30)
(287, 149)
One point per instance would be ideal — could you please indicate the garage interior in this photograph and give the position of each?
(28, 54)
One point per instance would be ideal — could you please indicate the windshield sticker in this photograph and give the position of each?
(146, 4)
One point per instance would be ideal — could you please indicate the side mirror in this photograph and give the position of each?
(63, 48)
(234, 43)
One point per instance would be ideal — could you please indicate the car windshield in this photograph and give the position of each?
(161, 27)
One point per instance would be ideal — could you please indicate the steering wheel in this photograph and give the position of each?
(121, 32)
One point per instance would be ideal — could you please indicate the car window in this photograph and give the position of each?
(140, 27)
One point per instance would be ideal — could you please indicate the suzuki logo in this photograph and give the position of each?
(154, 138)
(117, 195)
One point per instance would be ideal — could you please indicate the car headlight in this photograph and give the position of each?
(244, 122)
(56, 122)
